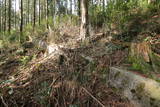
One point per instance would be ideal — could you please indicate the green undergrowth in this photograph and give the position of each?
(7, 39)
(150, 69)
(139, 64)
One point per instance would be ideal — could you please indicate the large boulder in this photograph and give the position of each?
(140, 90)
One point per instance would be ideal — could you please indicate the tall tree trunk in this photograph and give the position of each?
(21, 26)
(66, 9)
(47, 13)
(103, 6)
(5, 15)
(28, 11)
(34, 17)
(79, 10)
(39, 12)
(0, 17)
(71, 7)
(42, 11)
(52, 10)
(54, 15)
(84, 30)
(15, 20)
(9, 15)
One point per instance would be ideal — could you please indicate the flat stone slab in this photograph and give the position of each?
(141, 91)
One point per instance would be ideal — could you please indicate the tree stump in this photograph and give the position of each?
(143, 58)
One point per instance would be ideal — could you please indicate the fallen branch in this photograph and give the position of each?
(93, 97)
(4, 102)
(87, 58)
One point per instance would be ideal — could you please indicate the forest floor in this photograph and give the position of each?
(72, 76)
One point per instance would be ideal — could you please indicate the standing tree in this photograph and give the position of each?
(0, 16)
(39, 10)
(71, 7)
(34, 17)
(47, 13)
(84, 30)
(9, 15)
(21, 26)
(103, 5)
(79, 10)
(15, 20)
(5, 15)
(28, 12)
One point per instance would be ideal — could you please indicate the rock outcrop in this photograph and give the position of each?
(141, 91)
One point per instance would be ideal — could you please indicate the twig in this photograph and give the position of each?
(4, 102)
(54, 80)
(93, 97)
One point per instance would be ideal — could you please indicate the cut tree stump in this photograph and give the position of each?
(143, 58)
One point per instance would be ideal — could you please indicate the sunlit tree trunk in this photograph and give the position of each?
(54, 15)
(151, 1)
(84, 30)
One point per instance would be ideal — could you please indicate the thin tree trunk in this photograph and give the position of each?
(39, 12)
(55, 2)
(0, 17)
(79, 10)
(28, 12)
(21, 26)
(71, 7)
(34, 18)
(66, 4)
(9, 15)
(52, 12)
(45, 10)
(42, 11)
(31, 15)
(47, 14)
(84, 30)
(15, 20)
(5, 15)
(103, 6)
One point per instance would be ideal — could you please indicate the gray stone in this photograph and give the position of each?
(141, 91)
